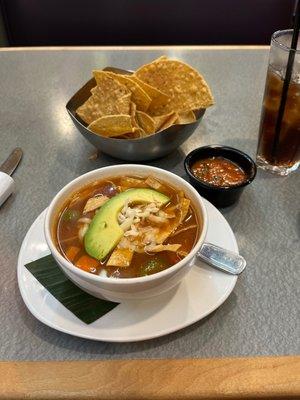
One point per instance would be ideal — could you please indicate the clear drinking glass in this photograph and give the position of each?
(281, 155)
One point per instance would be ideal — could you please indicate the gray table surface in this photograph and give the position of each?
(260, 317)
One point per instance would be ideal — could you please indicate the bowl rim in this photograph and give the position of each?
(187, 166)
(124, 281)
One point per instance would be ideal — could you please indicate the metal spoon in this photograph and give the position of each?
(222, 259)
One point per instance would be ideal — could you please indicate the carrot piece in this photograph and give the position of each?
(72, 252)
(86, 263)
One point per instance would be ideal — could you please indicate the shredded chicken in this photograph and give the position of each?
(157, 219)
(84, 220)
(126, 224)
(132, 231)
(103, 273)
(166, 214)
(182, 253)
(141, 237)
(133, 215)
(82, 231)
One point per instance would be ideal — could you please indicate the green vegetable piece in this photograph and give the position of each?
(71, 215)
(152, 266)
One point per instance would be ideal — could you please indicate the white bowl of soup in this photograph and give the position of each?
(126, 231)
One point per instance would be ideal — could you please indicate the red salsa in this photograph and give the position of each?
(218, 171)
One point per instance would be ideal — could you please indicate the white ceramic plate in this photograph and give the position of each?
(202, 291)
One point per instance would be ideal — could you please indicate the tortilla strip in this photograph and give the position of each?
(163, 247)
(152, 182)
(120, 258)
(185, 205)
(183, 230)
(94, 202)
(129, 182)
(163, 234)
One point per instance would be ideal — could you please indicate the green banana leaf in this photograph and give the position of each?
(86, 307)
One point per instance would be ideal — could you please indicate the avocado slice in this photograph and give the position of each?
(104, 232)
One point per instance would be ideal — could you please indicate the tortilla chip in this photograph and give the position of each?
(138, 131)
(185, 117)
(107, 84)
(108, 98)
(151, 91)
(165, 121)
(135, 134)
(159, 99)
(108, 87)
(145, 122)
(123, 104)
(133, 115)
(120, 258)
(93, 109)
(112, 125)
(161, 58)
(169, 122)
(132, 111)
(89, 111)
(186, 88)
(139, 96)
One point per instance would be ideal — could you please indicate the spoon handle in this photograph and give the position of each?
(222, 259)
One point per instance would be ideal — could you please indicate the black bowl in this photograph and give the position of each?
(220, 196)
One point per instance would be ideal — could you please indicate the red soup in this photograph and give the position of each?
(127, 227)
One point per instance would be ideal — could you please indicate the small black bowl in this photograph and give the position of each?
(220, 196)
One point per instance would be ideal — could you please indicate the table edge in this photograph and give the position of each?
(215, 378)
(142, 48)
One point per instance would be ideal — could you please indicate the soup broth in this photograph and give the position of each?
(154, 235)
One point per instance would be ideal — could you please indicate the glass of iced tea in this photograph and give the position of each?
(279, 145)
